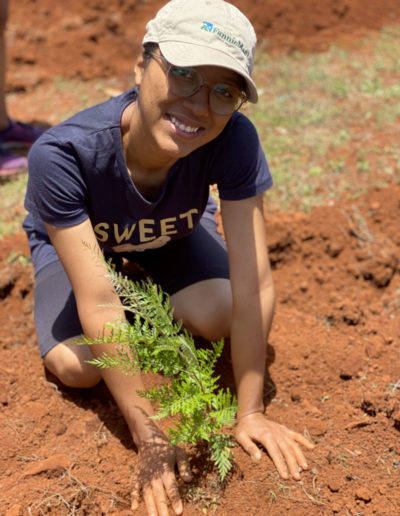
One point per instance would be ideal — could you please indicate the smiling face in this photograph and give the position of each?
(170, 127)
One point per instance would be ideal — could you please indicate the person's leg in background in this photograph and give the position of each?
(12, 133)
(4, 122)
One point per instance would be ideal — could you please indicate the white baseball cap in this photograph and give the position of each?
(205, 33)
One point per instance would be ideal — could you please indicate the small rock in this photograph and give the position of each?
(350, 367)
(72, 23)
(113, 22)
(362, 254)
(60, 428)
(378, 273)
(334, 485)
(304, 286)
(76, 429)
(316, 427)
(351, 314)
(371, 403)
(353, 270)
(319, 276)
(295, 395)
(311, 409)
(57, 462)
(392, 406)
(389, 331)
(363, 494)
(396, 416)
(374, 348)
(333, 249)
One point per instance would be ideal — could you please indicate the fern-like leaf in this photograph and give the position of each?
(153, 341)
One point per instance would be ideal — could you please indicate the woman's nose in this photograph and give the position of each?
(199, 102)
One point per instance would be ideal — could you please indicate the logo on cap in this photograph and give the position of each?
(209, 27)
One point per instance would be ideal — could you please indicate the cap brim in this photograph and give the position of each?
(180, 53)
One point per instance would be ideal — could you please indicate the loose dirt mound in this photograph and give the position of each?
(100, 38)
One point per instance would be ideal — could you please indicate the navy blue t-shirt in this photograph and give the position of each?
(77, 170)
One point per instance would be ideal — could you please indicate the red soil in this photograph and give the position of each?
(333, 368)
(99, 38)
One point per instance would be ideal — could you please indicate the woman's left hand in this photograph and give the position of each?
(282, 444)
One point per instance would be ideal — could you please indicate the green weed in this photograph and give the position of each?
(12, 214)
(20, 258)
(311, 111)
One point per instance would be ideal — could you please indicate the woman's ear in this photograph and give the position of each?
(139, 70)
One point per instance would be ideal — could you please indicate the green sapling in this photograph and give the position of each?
(153, 341)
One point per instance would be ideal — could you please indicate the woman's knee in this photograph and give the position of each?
(68, 362)
(213, 326)
(205, 308)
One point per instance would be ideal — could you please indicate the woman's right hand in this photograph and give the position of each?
(93, 289)
(156, 476)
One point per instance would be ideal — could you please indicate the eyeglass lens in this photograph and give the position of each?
(224, 98)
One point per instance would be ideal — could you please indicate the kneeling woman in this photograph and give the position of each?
(131, 178)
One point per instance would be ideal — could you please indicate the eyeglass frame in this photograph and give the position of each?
(243, 96)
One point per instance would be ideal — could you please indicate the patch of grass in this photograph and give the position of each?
(315, 109)
(12, 213)
(78, 95)
(18, 257)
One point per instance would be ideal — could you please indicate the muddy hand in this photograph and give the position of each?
(282, 444)
(156, 476)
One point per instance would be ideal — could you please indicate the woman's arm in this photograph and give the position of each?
(253, 306)
(99, 304)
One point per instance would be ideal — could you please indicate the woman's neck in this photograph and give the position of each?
(140, 151)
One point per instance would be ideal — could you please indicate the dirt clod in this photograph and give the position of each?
(57, 462)
(334, 485)
(363, 494)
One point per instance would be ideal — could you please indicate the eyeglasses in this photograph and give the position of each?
(224, 99)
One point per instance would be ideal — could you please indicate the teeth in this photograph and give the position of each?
(183, 127)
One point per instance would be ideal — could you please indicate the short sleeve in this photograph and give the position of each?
(56, 190)
(240, 168)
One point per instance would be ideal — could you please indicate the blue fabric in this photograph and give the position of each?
(199, 256)
(77, 171)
